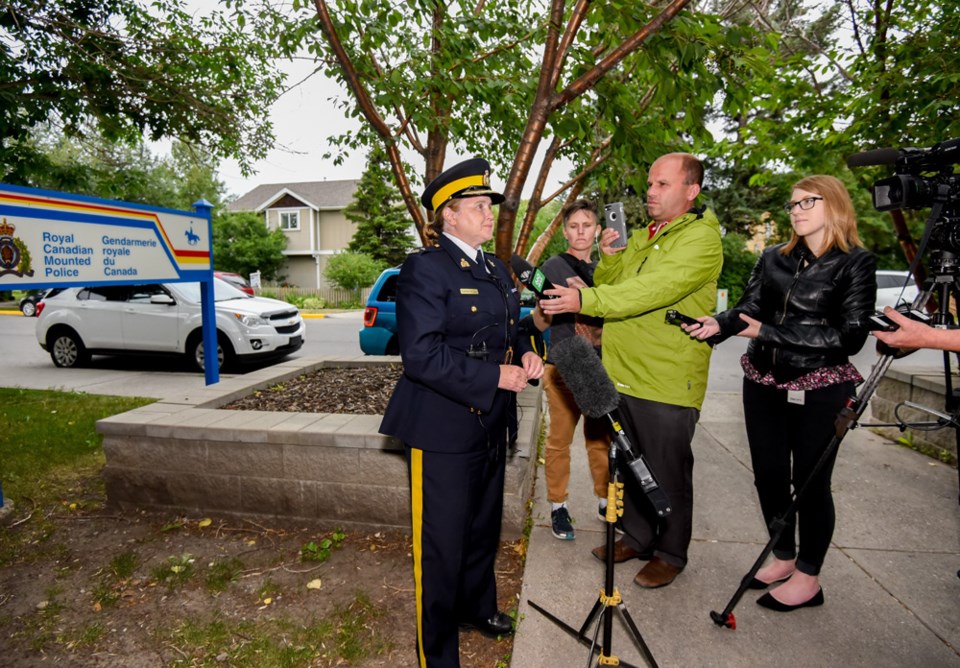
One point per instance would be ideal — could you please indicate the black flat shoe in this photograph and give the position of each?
(768, 601)
(499, 625)
(760, 584)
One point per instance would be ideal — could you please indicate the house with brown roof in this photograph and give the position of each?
(311, 216)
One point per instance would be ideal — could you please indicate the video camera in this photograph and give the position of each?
(924, 177)
(910, 188)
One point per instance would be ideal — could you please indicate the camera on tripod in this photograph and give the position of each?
(924, 177)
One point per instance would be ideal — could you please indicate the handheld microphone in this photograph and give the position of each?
(532, 278)
(594, 393)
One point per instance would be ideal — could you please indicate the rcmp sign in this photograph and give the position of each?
(49, 238)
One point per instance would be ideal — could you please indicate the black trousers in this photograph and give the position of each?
(457, 502)
(662, 433)
(786, 442)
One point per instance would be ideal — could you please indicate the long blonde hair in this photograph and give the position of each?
(839, 218)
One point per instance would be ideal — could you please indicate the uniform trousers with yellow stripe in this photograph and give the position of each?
(457, 502)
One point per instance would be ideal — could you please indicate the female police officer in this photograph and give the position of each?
(454, 409)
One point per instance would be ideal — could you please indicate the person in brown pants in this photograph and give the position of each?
(580, 229)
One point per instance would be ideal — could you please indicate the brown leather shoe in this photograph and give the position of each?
(657, 573)
(621, 553)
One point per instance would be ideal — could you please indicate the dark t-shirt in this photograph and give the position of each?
(558, 270)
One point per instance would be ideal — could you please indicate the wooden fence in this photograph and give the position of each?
(330, 296)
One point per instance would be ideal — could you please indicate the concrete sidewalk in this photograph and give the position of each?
(890, 579)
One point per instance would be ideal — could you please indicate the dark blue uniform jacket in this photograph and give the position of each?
(447, 401)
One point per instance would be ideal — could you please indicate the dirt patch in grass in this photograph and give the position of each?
(86, 587)
(82, 585)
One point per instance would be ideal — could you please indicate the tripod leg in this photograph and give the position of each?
(609, 596)
(726, 618)
(583, 639)
(636, 636)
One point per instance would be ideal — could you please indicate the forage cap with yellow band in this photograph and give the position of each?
(470, 178)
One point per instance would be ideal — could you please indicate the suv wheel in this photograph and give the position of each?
(196, 354)
(29, 309)
(67, 350)
(393, 347)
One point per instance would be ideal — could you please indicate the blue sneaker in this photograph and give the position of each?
(561, 524)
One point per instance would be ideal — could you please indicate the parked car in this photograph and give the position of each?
(28, 305)
(165, 318)
(379, 333)
(236, 280)
(890, 285)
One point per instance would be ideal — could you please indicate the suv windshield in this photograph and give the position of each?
(222, 291)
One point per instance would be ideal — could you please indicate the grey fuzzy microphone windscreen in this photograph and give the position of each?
(581, 370)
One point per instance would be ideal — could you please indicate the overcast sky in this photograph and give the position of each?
(303, 118)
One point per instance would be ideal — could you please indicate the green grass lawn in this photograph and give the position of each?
(48, 438)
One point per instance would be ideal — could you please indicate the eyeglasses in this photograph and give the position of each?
(806, 204)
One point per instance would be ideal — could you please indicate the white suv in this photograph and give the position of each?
(894, 287)
(164, 318)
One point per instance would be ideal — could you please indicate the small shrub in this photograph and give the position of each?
(296, 300)
(178, 572)
(314, 303)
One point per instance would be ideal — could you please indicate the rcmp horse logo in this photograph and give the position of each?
(14, 255)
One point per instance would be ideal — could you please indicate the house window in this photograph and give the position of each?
(289, 220)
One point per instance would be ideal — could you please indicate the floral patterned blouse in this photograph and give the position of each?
(816, 379)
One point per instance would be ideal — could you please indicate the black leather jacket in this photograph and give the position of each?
(813, 310)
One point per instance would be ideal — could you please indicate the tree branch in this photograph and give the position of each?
(806, 40)
(371, 114)
(631, 44)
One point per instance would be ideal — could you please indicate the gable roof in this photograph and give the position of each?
(333, 195)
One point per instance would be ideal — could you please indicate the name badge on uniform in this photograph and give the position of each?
(795, 397)
(469, 291)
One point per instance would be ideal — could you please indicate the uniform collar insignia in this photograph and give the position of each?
(464, 264)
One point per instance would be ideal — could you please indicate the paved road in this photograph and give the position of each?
(25, 364)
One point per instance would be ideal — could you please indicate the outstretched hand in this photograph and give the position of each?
(567, 301)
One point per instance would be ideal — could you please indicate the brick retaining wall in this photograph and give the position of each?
(184, 453)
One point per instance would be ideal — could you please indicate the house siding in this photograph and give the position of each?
(324, 230)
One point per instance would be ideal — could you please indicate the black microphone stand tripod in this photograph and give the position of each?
(610, 599)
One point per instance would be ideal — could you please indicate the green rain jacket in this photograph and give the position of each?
(677, 269)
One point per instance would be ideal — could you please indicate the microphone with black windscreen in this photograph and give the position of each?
(531, 277)
(592, 389)
(878, 156)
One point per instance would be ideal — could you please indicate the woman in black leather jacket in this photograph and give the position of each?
(804, 310)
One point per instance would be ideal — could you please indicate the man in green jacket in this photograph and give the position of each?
(659, 371)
